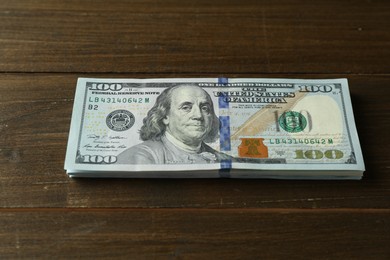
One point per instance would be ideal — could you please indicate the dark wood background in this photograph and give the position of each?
(45, 45)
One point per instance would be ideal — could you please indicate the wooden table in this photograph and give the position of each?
(45, 45)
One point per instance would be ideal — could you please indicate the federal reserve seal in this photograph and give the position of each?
(120, 120)
(292, 122)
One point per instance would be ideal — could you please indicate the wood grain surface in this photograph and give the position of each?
(45, 45)
(194, 233)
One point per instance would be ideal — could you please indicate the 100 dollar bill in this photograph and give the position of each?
(283, 128)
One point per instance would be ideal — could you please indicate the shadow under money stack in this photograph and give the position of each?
(213, 127)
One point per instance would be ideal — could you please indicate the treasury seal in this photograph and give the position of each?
(292, 122)
(120, 120)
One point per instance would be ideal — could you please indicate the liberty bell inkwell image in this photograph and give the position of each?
(252, 148)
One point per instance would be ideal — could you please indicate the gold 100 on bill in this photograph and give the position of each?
(213, 127)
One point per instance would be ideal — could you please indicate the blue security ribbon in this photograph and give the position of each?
(224, 137)
(224, 133)
(223, 81)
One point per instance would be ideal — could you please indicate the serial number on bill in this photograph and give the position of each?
(301, 141)
(118, 100)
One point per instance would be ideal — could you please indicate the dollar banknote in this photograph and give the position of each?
(213, 127)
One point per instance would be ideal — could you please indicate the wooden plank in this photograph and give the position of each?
(200, 234)
(204, 37)
(35, 111)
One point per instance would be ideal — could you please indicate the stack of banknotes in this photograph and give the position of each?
(213, 127)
